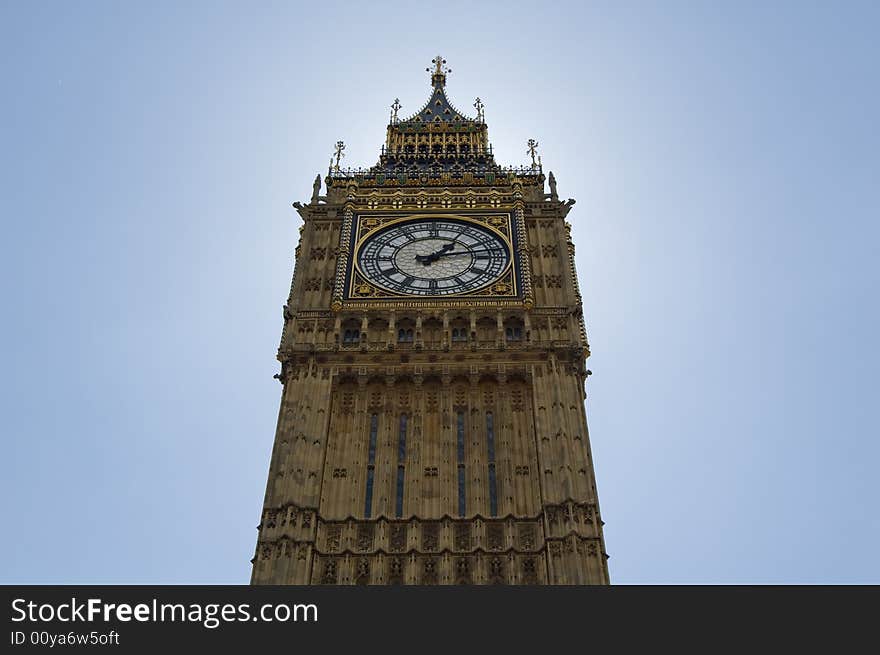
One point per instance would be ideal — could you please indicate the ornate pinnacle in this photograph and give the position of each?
(533, 151)
(394, 109)
(438, 75)
(337, 153)
(478, 105)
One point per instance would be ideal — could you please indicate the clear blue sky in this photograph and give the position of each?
(725, 159)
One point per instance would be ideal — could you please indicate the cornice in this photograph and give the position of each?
(445, 517)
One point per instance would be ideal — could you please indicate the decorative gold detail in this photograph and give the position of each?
(364, 290)
(370, 223)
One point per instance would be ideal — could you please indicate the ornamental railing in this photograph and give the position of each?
(422, 175)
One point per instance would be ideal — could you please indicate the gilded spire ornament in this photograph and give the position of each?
(394, 108)
(438, 75)
(478, 105)
(338, 154)
(533, 151)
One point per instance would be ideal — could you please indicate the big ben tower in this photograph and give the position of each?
(432, 426)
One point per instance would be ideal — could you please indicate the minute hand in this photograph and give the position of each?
(467, 252)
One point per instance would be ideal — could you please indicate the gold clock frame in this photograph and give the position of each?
(505, 287)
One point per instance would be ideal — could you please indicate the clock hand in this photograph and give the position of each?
(427, 259)
(465, 252)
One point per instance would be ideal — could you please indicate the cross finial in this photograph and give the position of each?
(394, 109)
(478, 105)
(438, 75)
(533, 151)
(337, 153)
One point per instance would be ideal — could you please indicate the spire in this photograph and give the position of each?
(438, 75)
(437, 142)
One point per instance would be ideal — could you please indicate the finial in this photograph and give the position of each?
(478, 105)
(533, 151)
(438, 75)
(337, 153)
(394, 109)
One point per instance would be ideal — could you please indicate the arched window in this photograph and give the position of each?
(401, 464)
(513, 333)
(404, 335)
(490, 452)
(459, 334)
(351, 336)
(462, 500)
(371, 465)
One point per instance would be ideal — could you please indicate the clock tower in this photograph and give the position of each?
(432, 426)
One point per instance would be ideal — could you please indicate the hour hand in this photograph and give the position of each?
(434, 256)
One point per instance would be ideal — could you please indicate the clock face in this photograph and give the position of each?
(433, 257)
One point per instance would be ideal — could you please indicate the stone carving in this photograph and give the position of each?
(334, 537)
(362, 574)
(462, 536)
(529, 571)
(462, 570)
(496, 571)
(554, 196)
(429, 574)
(365, 534)
(330, 572)
(430, 536)
(526, 534)
(516, 400)
(397, 542)
(316, 190)
(495, 536)
(395, 570)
